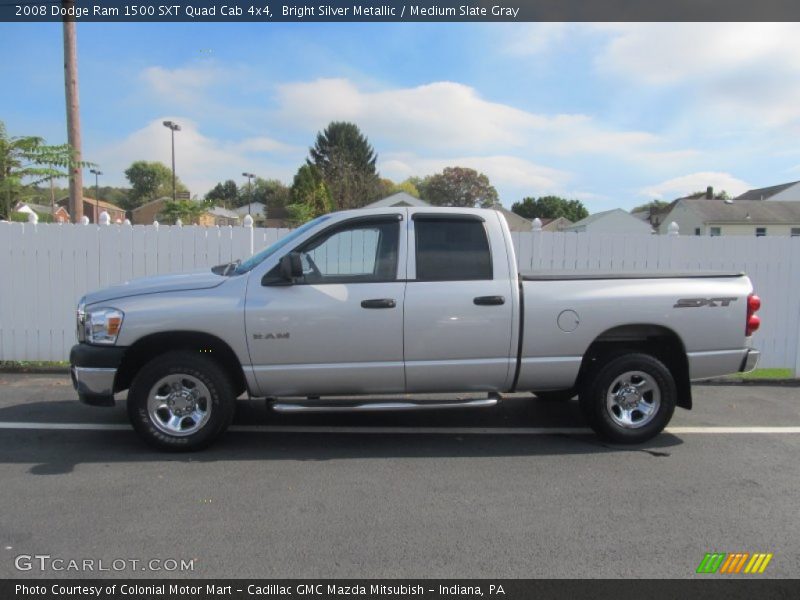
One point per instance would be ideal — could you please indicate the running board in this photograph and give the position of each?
(289, 407)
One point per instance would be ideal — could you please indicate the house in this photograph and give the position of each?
(257, 210)
(149, 211)
(59, 214)
(785, 192)
(92, 209)
(398, 199)
(610, 221)
(515, 221)
(555, 225)
(733, 217)
(217, 215)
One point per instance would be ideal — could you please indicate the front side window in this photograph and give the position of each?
(359, 252)
(452, 250)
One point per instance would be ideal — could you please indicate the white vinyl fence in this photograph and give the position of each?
(45, 268)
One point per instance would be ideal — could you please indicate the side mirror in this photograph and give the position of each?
(291, 266)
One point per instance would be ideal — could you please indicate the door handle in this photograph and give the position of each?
(489, 300)
(378, 303)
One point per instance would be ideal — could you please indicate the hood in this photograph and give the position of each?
(176, 282)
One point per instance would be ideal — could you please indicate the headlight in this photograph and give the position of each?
(81, 317)
(102, 325)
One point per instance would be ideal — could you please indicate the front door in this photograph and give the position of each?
(339, 328)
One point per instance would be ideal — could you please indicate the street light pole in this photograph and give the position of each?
(249, 190)
(173, 127)
(96, 173)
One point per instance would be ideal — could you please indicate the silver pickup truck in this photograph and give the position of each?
(406, 301)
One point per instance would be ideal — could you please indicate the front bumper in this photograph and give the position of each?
(750, 361)
(93, 370)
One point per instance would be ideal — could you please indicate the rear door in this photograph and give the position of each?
(459, 304)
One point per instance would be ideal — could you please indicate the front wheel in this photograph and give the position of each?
(630, 399)
(181, 401)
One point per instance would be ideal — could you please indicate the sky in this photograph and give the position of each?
(612, 114)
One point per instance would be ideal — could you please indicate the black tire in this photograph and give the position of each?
(219, 401)
(556, 395)
(607, 420)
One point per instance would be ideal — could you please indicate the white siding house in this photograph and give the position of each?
(733, 217)
(611, 221)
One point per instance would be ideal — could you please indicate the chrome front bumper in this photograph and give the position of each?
(750, 360)
(95, 386)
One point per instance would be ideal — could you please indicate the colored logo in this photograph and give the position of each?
(735, 562)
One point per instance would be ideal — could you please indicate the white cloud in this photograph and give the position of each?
(729, 69)
(454, 117)
(201, 161)
(528, 39)
(503, 171)
(185, 84)
(694, 182)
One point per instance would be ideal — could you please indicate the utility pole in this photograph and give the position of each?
(173, 127)
(73, 115)
(249, 191)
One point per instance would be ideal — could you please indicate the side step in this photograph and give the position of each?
(292, 407)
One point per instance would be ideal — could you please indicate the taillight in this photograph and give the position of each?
(753, 321)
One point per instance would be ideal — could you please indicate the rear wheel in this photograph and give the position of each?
(630, 399)
(180, 401)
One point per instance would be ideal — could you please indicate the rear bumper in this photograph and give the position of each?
(750, 361)
(93, 370)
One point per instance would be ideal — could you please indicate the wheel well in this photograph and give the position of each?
(153, 345)
(655, 340)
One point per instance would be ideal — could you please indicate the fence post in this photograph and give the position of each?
(673, 229)
(248, 223)
(84, 220)
(33, 218)
(536, 242)
(105, 218)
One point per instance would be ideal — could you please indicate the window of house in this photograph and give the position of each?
(761, 231)
(795, 231)
(697, 231)
(360, 252)
(715, 231)
(451, 249)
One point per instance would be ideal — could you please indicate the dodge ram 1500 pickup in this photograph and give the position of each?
(406, 301)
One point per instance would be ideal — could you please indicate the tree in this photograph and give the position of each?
(188, 211)
(652, 205)
(149, 180)
(274, 194)
(458, 186)
(346, 160)
(550, 207)
(389, 187)
(29, 158)
(309, 196)
(225, 194)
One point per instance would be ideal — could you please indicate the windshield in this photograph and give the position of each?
(260, 257)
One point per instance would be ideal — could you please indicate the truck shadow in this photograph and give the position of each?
(53, 452)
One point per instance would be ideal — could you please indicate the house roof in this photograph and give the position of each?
(251, 207)
(745, 211)
(218, 211)
(398, 199)
(515, 221)
(162, 200)
(98, 203)
(593, 218)
(767, 192)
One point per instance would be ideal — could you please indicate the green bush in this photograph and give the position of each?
(22, 217)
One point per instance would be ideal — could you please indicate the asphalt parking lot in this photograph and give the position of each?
(519, 490)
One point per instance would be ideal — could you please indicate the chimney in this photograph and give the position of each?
(709, 193)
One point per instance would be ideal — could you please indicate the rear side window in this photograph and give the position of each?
(452, 250)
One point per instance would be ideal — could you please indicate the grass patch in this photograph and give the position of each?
(766, 374)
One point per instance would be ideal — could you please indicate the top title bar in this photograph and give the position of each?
(386, 11)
